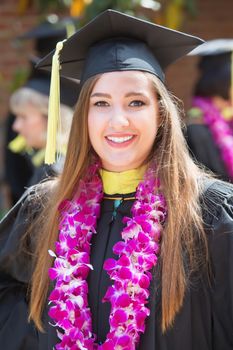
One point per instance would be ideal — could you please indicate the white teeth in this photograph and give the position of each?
(119, 139)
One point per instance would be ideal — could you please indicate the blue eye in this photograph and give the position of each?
(137, 103)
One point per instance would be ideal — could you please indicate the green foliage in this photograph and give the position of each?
(191, 7)
(126, 6)
(51, 5)
(20, 77)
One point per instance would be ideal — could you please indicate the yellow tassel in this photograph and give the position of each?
(54, 119)
(18, 144)
(70, 29)
(38, 158)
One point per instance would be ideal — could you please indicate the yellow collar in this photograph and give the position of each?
(123, 182)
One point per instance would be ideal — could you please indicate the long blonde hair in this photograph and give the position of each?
(179, 178)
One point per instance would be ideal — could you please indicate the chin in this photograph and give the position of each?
(118, 165)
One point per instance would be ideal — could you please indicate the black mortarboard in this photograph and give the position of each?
(47, 33)
(215, 54)
(216, 67)
(214, 47)
(69, 89)
(115, 41)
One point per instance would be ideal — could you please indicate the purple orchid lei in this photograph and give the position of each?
(138, 254)
(220, 129)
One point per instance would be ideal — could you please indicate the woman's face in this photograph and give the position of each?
(32, 125)
(123, 119)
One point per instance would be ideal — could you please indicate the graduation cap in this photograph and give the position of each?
(51, 30)
(114, 41)
(214, 47)
(216, 68)
(69, 88)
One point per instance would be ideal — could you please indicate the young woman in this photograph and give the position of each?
(140, 240)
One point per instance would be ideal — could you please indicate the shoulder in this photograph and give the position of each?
(31, 203)
(218, 198)
(217, 201)
(20, 228)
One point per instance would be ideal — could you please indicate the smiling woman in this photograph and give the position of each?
(131, 247)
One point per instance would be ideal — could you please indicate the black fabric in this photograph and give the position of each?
(120, 54)
(205, 321)
(69, 89)
(19, 171)
(41, 173)
(18, 168)
(47, 33)
(166, 45)
(203, 148)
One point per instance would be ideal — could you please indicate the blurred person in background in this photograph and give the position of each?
(210, 120)
(29, 104)
(19, 168)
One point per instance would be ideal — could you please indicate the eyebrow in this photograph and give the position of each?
(99, 94)
(129, 94)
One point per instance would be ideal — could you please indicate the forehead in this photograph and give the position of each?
(28, 110)
(125, 80)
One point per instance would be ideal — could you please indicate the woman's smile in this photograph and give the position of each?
(120, 141)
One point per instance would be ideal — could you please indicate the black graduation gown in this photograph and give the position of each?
(41, 173)
(18, 168)
(203, 148)
(205, 321)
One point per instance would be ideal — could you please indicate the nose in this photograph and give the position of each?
(16, 126)
(118, 119)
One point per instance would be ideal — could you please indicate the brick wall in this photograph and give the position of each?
(12, 57)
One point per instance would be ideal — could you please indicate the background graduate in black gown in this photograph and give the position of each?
(128, 177)
(210, 120)
(30, 107)
(18, 167)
